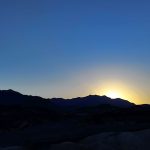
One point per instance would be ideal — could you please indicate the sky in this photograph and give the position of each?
(71, 48)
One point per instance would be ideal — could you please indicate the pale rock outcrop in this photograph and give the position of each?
(103, 141)
(118, 141)
(12, 148)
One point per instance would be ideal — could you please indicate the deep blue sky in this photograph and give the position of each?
(68, 48)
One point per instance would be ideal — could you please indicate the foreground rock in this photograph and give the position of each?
(12, 148)
(118, 141)
(67, 146)
(138, 140)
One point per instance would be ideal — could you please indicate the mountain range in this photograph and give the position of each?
(10, 97)
(33, 120)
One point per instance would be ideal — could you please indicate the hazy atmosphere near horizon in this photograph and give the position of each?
(71, 48)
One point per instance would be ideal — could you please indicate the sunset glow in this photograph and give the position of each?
(117, 89)
(76, 48)
(113, 94)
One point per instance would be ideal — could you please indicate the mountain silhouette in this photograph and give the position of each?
(33, 120)
(10, 97)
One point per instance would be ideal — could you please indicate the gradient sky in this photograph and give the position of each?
(69, 48)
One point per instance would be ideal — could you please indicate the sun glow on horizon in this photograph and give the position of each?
(113, 94)
(117, 90)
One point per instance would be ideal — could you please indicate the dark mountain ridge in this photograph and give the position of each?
(40, 120)
(10, 97)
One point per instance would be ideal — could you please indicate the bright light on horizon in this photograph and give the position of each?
(117, 90)
(113, 94)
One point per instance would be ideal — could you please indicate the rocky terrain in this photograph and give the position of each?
(138, 140)
(88, 123)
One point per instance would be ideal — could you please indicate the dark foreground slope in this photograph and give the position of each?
(36, 122)
(19, 111)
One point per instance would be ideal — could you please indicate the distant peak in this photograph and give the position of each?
(10, 91)
(102, 96)
(92, 96)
